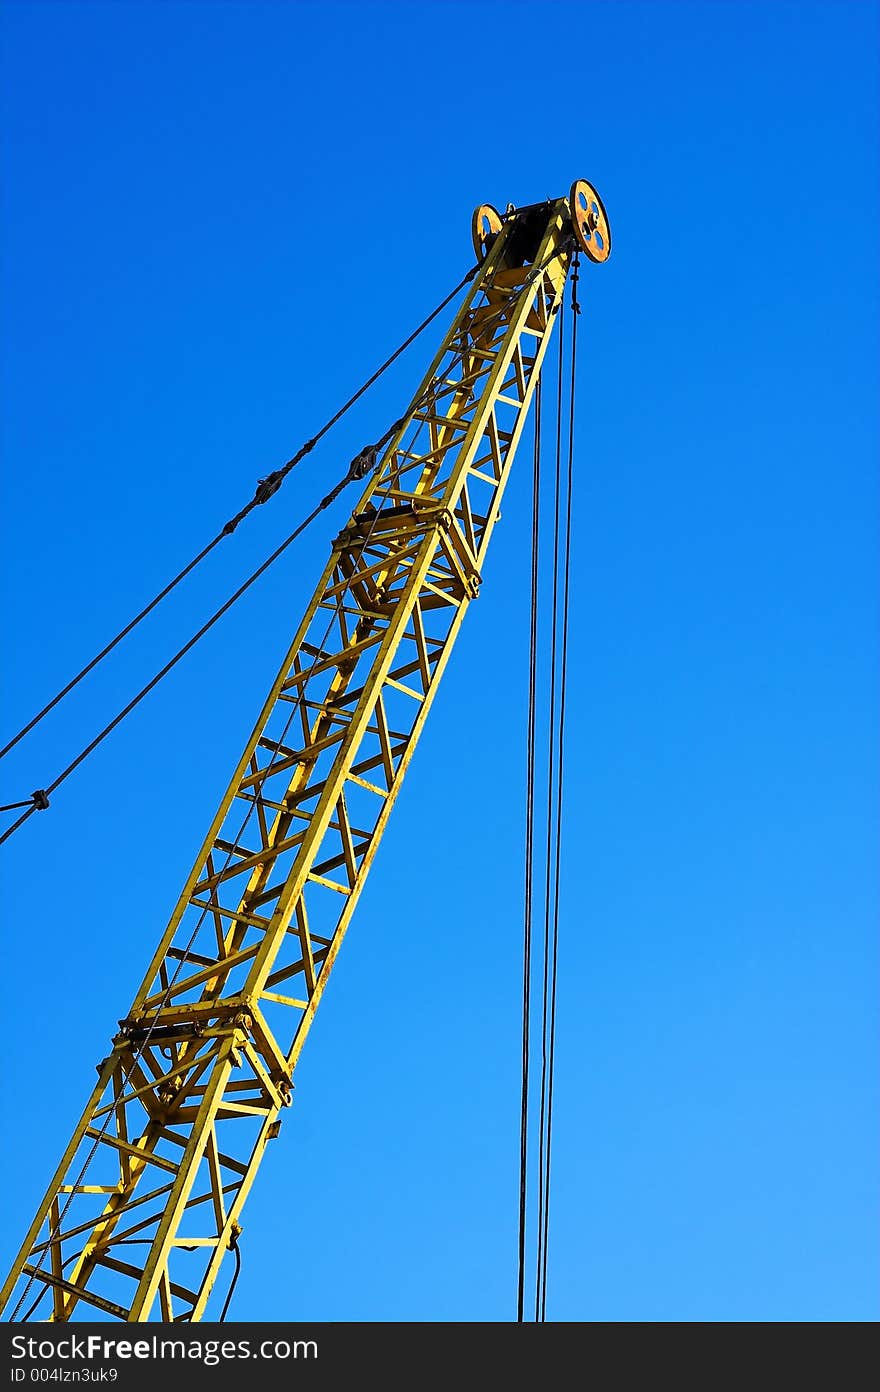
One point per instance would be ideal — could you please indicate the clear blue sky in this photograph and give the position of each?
(216, 219)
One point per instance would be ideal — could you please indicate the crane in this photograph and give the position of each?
(147, 1199)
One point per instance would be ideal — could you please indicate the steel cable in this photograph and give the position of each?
(560, 744)
(529, 861)
(40, 799)
(551, 773)
(266, 489)
(542, 973)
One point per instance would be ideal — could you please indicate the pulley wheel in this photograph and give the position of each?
(485, 226)
(590, 221)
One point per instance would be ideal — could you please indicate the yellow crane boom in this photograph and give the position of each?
(148, 1196)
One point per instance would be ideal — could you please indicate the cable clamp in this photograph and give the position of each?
(363, 463)
(37, 802)
(268, 486)
(575, 276)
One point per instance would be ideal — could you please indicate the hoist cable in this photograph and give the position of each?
(530, 821)
(551, 765)
(550, 942)
(560, 778)
(266, 489)
(233, 1242)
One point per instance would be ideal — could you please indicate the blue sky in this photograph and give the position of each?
(217, 219)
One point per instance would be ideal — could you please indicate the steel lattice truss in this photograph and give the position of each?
(148, 1197)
